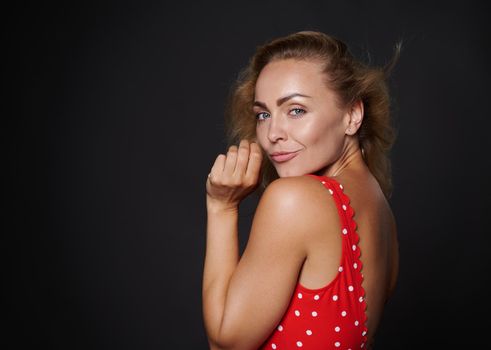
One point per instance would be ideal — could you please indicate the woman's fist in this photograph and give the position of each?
(234, 176)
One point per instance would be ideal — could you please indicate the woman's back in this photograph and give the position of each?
(378, 242)
(376, 229)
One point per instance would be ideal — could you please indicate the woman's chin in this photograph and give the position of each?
(288, 173)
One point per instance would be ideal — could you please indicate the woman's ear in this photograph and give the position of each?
(355, 117)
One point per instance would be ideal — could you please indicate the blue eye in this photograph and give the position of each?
(302, 111)
(258, 116)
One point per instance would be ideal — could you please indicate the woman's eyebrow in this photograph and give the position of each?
(280, 101)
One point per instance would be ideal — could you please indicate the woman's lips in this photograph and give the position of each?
(280, 158)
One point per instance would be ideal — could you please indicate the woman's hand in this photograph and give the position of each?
(233, 176)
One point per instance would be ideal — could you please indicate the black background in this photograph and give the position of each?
(114, 116)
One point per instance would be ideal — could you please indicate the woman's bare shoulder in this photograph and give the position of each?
(290, 190)
(302, 199)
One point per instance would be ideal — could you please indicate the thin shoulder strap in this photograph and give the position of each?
(335, 189)
(350, 236)
(345, 210)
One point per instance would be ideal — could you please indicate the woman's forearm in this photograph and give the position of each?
(221, 259)
(231, 179)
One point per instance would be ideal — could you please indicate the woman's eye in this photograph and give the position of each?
(261, 116)
(298, 111)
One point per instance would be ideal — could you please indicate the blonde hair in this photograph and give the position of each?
(350, 79)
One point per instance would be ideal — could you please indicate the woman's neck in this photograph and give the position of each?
(351, 159)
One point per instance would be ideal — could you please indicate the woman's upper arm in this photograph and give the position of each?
(266, 275)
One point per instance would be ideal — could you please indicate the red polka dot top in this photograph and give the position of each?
(331, 317)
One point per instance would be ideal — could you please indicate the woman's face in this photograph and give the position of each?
(297, 114)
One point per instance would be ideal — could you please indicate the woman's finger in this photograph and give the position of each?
(242, 159)
(230, 161)
(217, 168)
(255, 161)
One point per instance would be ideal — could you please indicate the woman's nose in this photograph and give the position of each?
(277, 130)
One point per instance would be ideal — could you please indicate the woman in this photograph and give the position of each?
(322, 256)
